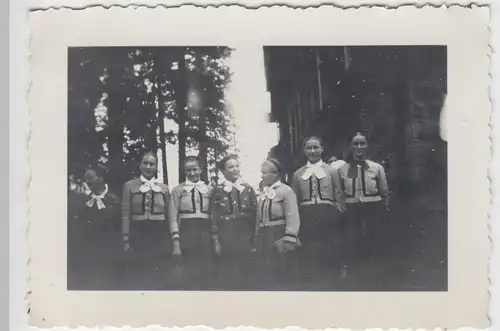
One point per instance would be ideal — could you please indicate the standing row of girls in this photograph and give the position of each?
(227, 237)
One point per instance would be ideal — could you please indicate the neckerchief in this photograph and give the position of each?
(149, 185)
(316, 169)
(98, 199)
(199, 186)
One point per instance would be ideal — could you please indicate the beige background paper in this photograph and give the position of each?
(464, 31)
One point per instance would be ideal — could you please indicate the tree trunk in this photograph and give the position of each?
(180, 101)
(115, 104)
(203, 141)
(160, 75)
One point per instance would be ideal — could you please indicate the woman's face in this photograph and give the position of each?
(269, 174)
(313, 150)
(359, 147)
(149, 166)
(193, 171)
(93, 181)
(232, 170)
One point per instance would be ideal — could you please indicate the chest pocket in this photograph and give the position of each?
(225, 203)
(277, 211)
(272, 209)
(158, 203)
(194, 201)
(243, 200)
(348, 185)
(370, 183)
(138, 201)
(325, 188)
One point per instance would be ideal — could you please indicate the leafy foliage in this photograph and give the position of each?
(119, 99)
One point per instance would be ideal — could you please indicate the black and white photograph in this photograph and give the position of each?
(225, 167)
(332, 177)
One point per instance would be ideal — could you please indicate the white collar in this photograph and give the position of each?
(200, 186)
(316, 169)
(269, 191)
(149, 185)
(145, 180)
(317, 164)
(98, 199)
(238, 184)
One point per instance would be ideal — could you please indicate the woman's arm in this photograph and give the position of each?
(173, 213)
(383, 187)
(337, 187)
(253, 200)
(296, 185)
(292, 216)
(125, 208)
(255, 207)
(214, 212)
(214, 217)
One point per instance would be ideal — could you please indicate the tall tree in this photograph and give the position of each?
(180, 105)
(160, 68)
(86, 67)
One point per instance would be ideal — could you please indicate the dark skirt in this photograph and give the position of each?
(146, 262)
(234, 265)
(320, 234)
(274, 271)
(94, 255)
(364, 224)
(197, 259)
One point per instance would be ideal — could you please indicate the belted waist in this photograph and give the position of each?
(362, 199)
(273, 222)
(151, 217)
(189, 215)
(317, 202)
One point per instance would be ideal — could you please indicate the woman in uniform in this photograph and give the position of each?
(277, 231)
(315, 185)
(367, 198)
(97, 234)
(144, 224)
(233, 214)
(190, 227)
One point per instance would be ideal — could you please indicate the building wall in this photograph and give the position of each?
(393, 95)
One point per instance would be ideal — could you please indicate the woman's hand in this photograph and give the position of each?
(126, 242)
(387, 205)
(284, 246)
(217, 248)
(176, 251)
(287, 247)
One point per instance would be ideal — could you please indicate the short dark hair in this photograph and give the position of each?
(312, 137)
(99, 170)
(359, 134)
(150, 153)
(277, 164)
(222, 163)
(192, 158)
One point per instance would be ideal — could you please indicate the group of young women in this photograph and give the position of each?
(234, 237)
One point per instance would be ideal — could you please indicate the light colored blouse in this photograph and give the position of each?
(364, 182)
(143, 200)
(316, 184)
(188, 201)
(278, 206)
